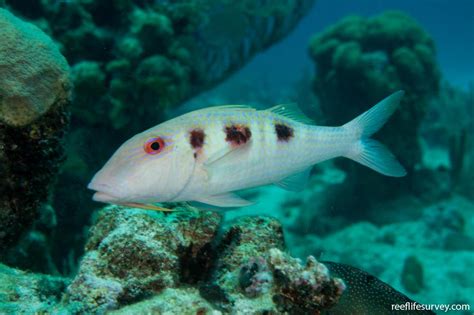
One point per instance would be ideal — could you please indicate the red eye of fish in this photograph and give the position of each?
(154, 146)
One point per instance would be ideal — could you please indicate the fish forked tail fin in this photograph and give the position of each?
(370, 152)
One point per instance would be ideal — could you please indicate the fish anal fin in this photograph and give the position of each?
(224, 200)
(295, 182)
(291, 111)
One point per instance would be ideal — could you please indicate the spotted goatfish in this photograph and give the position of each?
(208, 154)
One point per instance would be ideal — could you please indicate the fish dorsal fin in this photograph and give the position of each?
(291, 111)
(232, 107)
(295, 182)
(224, 200)
(240, 108)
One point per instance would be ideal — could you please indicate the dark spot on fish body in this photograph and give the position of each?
(284, 132)
(196, 138)
(237, 134)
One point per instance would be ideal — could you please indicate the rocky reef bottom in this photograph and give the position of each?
(178, 263)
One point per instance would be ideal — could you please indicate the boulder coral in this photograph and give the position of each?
(34, 94)
(361, 60)
(34, 75)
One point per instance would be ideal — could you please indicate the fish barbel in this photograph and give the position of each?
(208, 154)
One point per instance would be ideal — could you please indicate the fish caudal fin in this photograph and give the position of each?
(370, 152)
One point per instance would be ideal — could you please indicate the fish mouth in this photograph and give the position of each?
(102, 194)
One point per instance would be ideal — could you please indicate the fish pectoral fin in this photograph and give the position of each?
(224, 200)
(295, 182)
(226, 155)
(291, 111)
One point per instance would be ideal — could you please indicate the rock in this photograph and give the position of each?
(171, 301)
(34, 75)
(142, 261)
(249, 237)
(34, 93)
(412, 275)
(303, 289)
(27, 293)
(35, 243)
(133, 254)
(255, 276)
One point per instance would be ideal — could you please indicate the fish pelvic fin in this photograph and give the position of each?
(224, 200)
(370, 152)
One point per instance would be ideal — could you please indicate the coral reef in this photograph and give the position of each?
(34, 93)
(303, 289)
(358, 62)
(34, 76)
(133, 255)
(36, 243)
(447, 136)
(26, 293)
(413, 256)
(142, 261)
(412, 274)
(132, 61)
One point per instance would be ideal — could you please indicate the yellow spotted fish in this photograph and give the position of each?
(208, 154)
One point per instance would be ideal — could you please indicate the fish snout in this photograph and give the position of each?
(104, 192)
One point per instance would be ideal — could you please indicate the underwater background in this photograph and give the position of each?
(80, 77)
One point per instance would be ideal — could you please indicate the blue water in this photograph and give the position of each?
(450, 23)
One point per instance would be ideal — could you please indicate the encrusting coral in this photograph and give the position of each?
(34, 93)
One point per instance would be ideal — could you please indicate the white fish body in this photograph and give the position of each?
(207, 154)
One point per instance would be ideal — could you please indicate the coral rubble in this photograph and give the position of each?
(34, 93)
